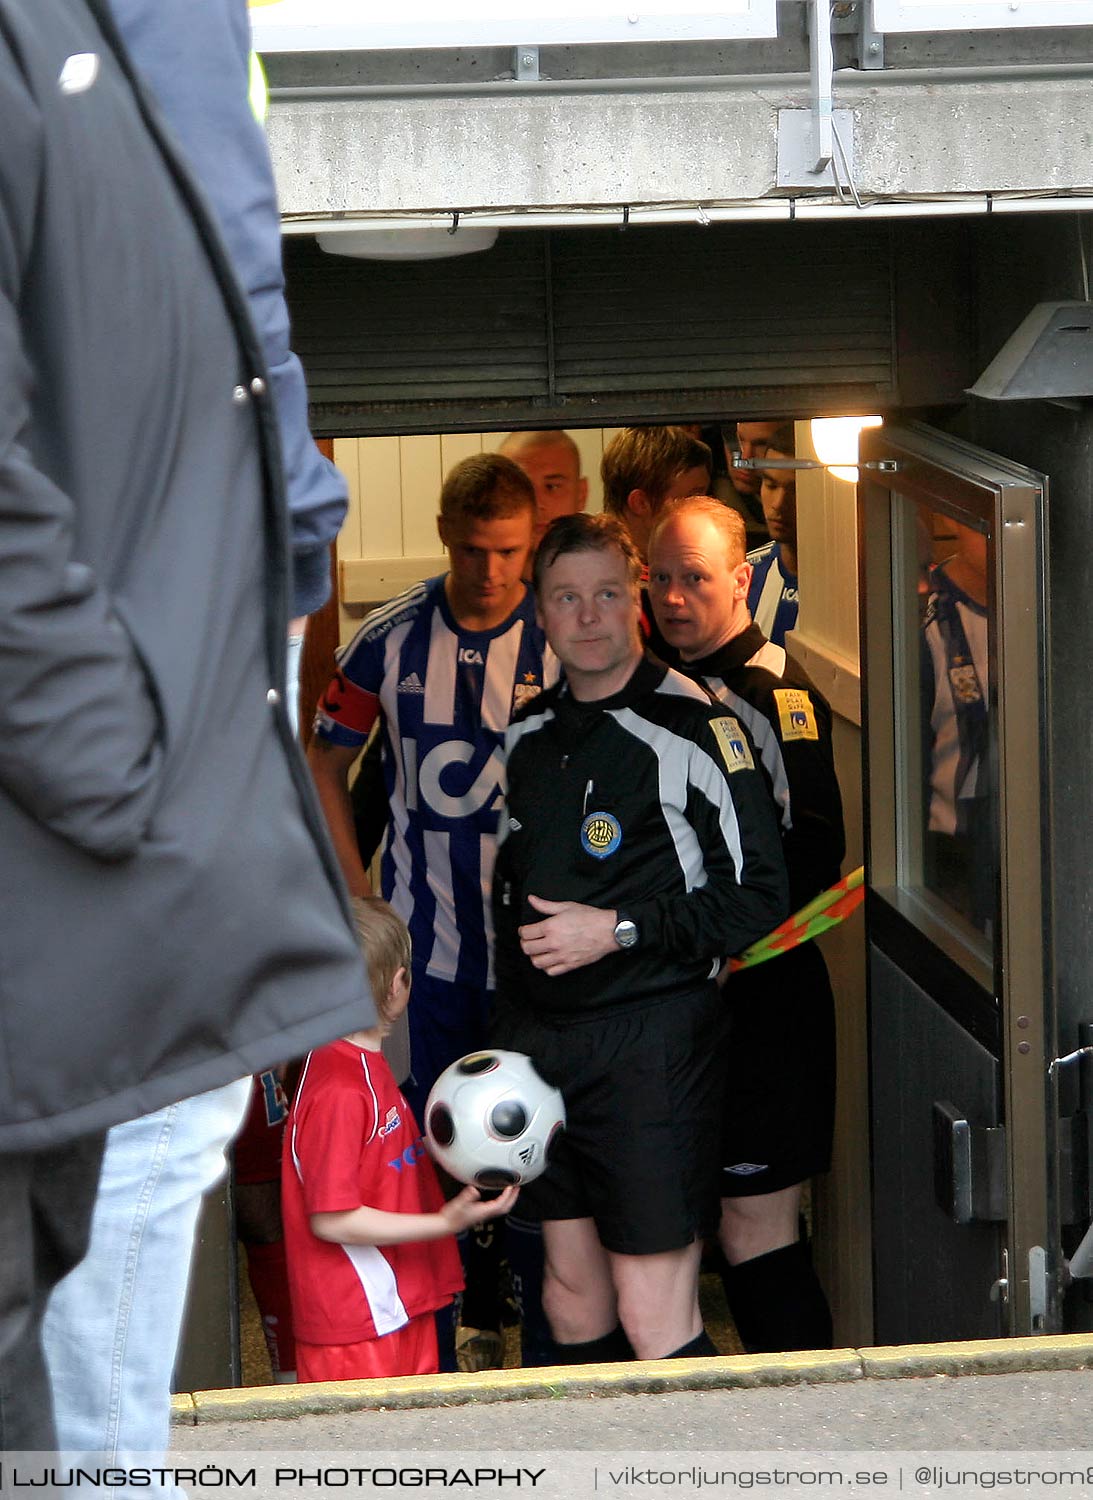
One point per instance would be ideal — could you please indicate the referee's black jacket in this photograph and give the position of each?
(790, 723)
(650, 803)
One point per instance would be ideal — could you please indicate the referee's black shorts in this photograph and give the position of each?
(779, 1113)
(642, 1089)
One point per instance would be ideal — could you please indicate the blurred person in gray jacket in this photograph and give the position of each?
(173, 916)
(112, 1328)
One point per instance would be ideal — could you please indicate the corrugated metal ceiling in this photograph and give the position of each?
(586, 326)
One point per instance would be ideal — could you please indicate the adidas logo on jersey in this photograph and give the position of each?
(411, 683)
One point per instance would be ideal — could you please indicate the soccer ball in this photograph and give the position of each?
(490, 1119)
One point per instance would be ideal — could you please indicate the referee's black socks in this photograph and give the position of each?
(609, 1349)
(700, 1347)
(777, 1302)
(615, 1346)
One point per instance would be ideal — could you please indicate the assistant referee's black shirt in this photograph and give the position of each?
(790, 724)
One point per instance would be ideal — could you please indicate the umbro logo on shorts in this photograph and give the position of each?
(411, 683)
(746, 1168)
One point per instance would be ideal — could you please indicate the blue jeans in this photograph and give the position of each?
(112, 1325)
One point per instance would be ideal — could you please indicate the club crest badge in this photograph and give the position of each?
(964, 682)
(601, 834)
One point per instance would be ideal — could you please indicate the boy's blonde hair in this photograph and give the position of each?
(385, 943)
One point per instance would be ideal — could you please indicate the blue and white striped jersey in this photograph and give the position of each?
(956, 683)
(446, 695)
(772, 597)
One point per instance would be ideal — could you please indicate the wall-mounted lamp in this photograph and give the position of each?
(835, 440)
(835, 443)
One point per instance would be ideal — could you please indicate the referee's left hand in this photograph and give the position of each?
(571, 936)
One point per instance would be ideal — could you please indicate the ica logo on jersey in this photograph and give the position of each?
(445, 785)
(471, 657)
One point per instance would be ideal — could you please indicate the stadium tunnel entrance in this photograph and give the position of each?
(961, 1182)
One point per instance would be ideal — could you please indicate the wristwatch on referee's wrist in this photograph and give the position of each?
(626, 931)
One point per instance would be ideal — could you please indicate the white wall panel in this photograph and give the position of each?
(346, 453)
(421, 474)
(379, 462)
(455, 446)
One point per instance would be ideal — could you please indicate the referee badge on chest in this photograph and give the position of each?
(601, 834)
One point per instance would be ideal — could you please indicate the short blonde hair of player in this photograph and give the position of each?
(385, 943)
(485, 487)
(648, 459)
(727, 520)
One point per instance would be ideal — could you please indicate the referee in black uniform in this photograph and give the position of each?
(780, 1094)
(638, 845)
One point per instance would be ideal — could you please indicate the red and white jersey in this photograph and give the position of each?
(353, 1141)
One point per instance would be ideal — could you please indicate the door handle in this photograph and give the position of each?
(969, 1167)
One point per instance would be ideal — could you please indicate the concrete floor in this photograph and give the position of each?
(1043, 1412)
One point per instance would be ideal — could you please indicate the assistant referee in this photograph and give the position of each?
(780, 1095)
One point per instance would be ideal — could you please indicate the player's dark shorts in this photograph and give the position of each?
(642, 1090)
(780, 1087)
(446, 1022)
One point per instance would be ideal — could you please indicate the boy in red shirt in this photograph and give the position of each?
(370, 1239)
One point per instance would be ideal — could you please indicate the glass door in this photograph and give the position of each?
(956, 780)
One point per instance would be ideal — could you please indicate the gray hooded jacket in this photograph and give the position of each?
(170, 912)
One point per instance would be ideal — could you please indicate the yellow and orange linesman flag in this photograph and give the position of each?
(820, 914)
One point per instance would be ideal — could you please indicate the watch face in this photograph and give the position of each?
(626, 934)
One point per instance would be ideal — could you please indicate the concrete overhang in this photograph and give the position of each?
(551, 147)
